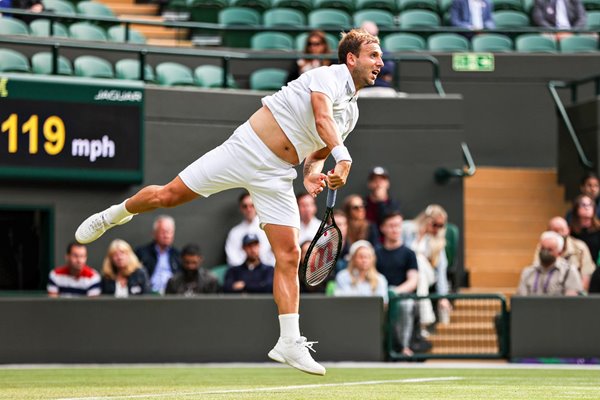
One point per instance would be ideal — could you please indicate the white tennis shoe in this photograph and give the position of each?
(95, 226)
(295, 352)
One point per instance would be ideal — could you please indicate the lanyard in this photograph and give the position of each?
(545, 287)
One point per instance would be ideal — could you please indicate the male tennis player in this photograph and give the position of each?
(306, 120)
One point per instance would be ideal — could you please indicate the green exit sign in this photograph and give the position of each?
(478, 62)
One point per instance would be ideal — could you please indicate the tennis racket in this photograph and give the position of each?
(324, 249)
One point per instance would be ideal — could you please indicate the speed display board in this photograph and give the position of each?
(70, 128)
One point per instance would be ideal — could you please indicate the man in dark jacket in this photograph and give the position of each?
(159, 257)
(193, 279)
(560, 14)
(252, 276)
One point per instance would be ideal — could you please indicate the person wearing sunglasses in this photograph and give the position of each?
(316, 43)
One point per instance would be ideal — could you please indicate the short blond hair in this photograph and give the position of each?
(352, 41)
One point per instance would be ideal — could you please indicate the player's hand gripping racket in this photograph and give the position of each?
(324, 249)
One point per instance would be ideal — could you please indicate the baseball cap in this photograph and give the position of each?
(249, 238)
(378, 171)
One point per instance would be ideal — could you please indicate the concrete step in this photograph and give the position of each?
(474, 305)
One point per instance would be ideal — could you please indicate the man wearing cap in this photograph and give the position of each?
(252, 276)
(378, 202)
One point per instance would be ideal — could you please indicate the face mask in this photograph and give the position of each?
(546, 257)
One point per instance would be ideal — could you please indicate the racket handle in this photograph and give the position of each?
(331, 194)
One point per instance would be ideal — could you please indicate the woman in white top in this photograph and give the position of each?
(361, 277)
(122, 272)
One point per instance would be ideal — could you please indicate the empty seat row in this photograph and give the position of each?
(87, 8)
(78, 30)
(165, 74)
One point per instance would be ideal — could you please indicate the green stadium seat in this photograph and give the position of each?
(510, 19)
(493, 42)
(59, 6)
(383, 18)
(211, 76)
(41, 63)
(41, 27)
(93, 67)
(94, 9)
(593, 20)
(283, 17)
(173, 74)
(117, 34)
(329, 18)
(259, 5)
(444, 6)
(419, 19)
(535, 43)
(579, 44)
(332, 41)
(388, 5)
(304, 6)
(452, 240)
(219, 272)
(591, 5)
(87, 31)
(238, 16)
(513, 5)
(403, 42)
(206, 10)
(343, 5)
(431, 5)
(13, 61)
(447, 42)
(268, 79)
(11, 26)
(271, 41)
(129, 68)
(528, 6)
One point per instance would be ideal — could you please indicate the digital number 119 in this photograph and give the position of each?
(53, 130)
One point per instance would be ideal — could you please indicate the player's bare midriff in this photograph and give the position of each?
(269, 131)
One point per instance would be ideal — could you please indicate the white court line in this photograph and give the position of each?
(268, 389)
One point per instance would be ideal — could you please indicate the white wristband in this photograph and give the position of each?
(341, 153)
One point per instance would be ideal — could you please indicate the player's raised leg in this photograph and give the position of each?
(147, 199)
(291, 348)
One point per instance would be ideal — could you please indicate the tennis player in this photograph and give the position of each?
(306, 120)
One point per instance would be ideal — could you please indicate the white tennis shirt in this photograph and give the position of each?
(292, 108)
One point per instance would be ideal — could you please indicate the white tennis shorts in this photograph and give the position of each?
(244, 161)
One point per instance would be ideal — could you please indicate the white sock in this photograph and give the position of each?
(289, 325)
(117, 212)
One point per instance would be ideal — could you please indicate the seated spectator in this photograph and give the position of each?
(309, 223)
(359, 228)
(75, 278)
(426, 236)
(398, 264)
(342, 222)
(559, 14)
(361, 277)
(250, 224)
(575, 251)
(34, 6)
(590, 186)
(122, 272)
(193, 279)
(553, 276)
(585, 225)
(472, 14)
(379, 202)
(316, 43)
(252, 276)
(159, 257)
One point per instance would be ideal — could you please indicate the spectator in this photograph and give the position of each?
(33, 6)
(472, 14)
(342, 222)
(75, 278)
(159, 257)
(359, 228)
(309, 223)
(233, 244)
(193, 279)
(316, 43)
(252, 276)
(398, 264)
(590, 186)
(426, 236)
(559, 14)
(122, 272)
(361, 277)
(553, 275)
(595, 282)
(378, 201)
(574, 251)
(585, 225)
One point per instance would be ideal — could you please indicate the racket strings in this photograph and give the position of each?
(323, 256)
